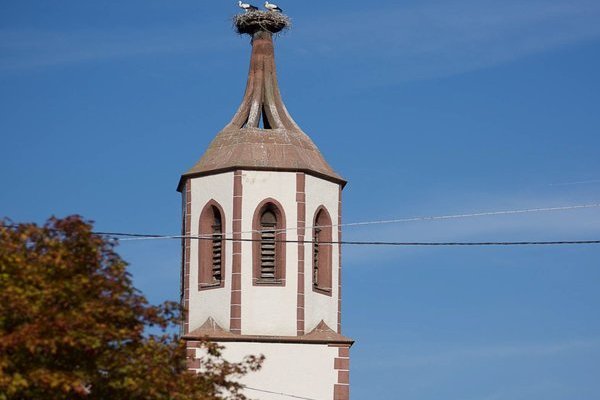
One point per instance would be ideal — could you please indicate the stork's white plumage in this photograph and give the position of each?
(247, 7)
(272, 7)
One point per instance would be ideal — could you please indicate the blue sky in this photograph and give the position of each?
(426, 108)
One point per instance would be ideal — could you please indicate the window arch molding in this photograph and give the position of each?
(322, 254)
(259, 241)
(211, 252)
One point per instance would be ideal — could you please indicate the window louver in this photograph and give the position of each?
(316, 256)
(268, 252)
(217, 249)
(211, 249)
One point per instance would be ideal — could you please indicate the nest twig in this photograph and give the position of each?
(255, 21)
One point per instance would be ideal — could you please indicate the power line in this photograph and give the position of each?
(408, 244)
(389, 221)
(132, 237)
(124, 236)
(529, 243)
(418, 219)
(471, 215)
(279, 393)
(380, 243)
(575, 183)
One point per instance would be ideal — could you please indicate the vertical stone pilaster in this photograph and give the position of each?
(187, 244)
(339, 239)
(341, 390)
(301, 211)
(235, 323)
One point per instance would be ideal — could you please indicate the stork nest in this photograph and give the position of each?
(256, 21)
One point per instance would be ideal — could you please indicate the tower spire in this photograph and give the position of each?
(262, 100)
(262, 135)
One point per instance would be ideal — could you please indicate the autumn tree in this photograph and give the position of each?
(72, 326)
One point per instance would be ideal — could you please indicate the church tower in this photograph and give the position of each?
(264, 277)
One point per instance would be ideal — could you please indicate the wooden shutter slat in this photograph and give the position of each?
(217, 254)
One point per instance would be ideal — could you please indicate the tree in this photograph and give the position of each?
(72, 326)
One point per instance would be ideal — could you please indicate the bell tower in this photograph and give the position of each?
(264, 275)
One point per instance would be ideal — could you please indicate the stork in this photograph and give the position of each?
(272, 7)
(247, 7)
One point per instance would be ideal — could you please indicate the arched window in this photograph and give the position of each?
(269, 244)
(211, 255)
(321, 251)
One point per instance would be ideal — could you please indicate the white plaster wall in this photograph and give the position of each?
(269, 310)
(305, 370)
(318, 306)
(213, 303)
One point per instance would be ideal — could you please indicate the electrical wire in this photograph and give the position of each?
(123, 236)
(132, 237)
(391, 221)
(575, 183)
(384, 243)
(278, 393)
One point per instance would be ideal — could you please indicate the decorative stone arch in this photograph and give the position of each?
(322, 236)
(263, 239)
(211, 252)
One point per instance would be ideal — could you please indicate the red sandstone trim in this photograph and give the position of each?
(205, 248)
(280, 237)
(342, 363)
(187, 250)
(235, 322)
(301, 210)
(341, 390)
(339, 322)
(182, 268)
(344, 377)
(194, 341)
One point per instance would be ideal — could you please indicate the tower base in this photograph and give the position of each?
(313, 371)
(313, 366)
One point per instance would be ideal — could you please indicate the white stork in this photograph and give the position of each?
(247, 7)
(272, 7)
